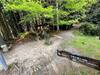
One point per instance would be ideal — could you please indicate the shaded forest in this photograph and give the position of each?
(17, 18)
(32, 33)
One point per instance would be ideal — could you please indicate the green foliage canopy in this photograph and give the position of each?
(65, 8)
(73, 8)
(33, 8)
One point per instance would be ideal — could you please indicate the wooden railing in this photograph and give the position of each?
(92, 63)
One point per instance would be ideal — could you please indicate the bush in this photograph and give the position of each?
(89, 29)
(65, 25)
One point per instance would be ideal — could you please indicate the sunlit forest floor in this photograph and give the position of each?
(40, 59)
(87, 45)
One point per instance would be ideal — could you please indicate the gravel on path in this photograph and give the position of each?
(36, 58)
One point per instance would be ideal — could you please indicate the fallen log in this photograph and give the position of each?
(90, 62)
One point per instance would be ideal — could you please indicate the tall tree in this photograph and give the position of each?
(65, 11)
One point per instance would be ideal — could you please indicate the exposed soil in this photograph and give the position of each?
(36, 58)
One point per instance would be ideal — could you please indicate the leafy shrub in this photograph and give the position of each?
(89, 29)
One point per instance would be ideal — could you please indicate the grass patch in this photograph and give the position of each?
(87, 45)
(87, 71)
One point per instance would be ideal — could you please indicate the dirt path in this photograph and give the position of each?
(35, 58)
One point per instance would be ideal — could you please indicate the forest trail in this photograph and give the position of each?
(35, 58)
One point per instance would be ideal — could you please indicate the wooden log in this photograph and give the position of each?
(90, 62)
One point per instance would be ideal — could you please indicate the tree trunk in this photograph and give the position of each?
(4, 27)
(57, 15)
